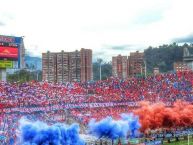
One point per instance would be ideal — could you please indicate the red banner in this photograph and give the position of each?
(8, 52)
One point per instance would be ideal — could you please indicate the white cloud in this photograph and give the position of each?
(57, 25)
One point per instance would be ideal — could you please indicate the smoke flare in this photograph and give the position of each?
(159, 116)
(39, 133)
(114, 129)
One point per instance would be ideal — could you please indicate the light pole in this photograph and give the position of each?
(145, 68)
(37, 75)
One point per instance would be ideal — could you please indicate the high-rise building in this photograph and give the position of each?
(62, 67)
(86, 64)
(136, 63)
(120, 66)
(123, 66)
(49, 66)
(67, 66)
(74, 66)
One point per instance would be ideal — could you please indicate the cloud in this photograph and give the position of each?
(5, 19)
(106, 52)
(2, 23)
(115, 48)
(124, 25)
(149, 16)
(121, 47)
(99, 53)
(186, 39)
(125, 47)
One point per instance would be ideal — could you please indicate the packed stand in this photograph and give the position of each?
(164, 87)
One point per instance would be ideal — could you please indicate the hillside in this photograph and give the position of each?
(33, 62)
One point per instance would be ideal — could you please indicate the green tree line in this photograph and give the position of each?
(164, 56)
(24, 76)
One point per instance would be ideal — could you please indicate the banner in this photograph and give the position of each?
(157, 142)
(6, 39)
(6, 64)
(69, 106)
(66, 106)
(10, 39)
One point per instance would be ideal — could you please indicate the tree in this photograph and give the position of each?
(164, 56)
(24, 76)
(106, 70)
(99, 60)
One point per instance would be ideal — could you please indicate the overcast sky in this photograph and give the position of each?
(109, 27)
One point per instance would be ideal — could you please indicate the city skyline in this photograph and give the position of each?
(107, 27)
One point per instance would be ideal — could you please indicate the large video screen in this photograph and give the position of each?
(7, 52)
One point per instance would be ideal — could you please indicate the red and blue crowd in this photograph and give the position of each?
(160, 88)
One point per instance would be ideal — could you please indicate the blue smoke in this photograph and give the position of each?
(133, 122)
(114, 129)
(39, 133)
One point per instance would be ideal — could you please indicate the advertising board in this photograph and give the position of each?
(8, 52)
(6, 64)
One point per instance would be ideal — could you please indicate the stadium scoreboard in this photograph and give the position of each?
(8, 51)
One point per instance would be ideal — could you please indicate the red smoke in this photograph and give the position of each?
(159, 116)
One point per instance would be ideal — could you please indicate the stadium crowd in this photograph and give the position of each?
(163, 87)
